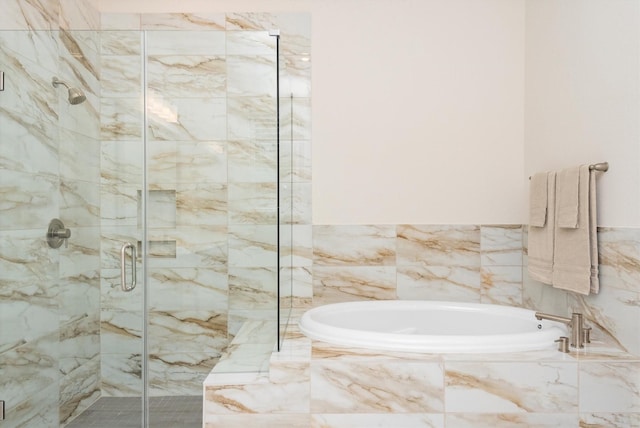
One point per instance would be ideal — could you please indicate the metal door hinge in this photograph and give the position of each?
(1, 80)
(1, 410)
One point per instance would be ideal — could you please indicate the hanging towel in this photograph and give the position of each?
(593, 233)
(567, 197)
(572, 263)
(538, 199)
(541, 238)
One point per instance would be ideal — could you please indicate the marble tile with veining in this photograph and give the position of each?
(610, 420)
(296, 162)
(183, 21)
(192, 42)
(439, 283)
(376, 387)
(79, 295)
(252, 76)
(201, 246)
(186, 119)
(79, 203)
(81, 252)
(119, 21)
(619, 257)
(187, 288)
(21, 15)
(197, 76)
(201, 204)
(79, 157)
(252, 288)
(351, 283)
(433, 245)
(120, 162)
(501, 245)
(252, 161)
(201, 161)
(252, 246)
(613, 314)
(112, 297)
(120, 332)
(354, 245)
(78, 15)
(121, 119)
(511, 387)
(111, 241)
(296, 118)
(119, 205)
(248, 21)
(252, 203)
(251, 118)
(79, 389)
(121, 76)
(213, 420)
(371, 420)
(298, 240)
(610, 387)
(501, 285)
(121, 374)
(296, 203)
(512, 420)
(121, 42)
(179, 373)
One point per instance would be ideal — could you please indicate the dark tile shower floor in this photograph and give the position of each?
(164, 412)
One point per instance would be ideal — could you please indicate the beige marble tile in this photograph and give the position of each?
(609, 420)
(351, 283)
(354, 245)
(511, 387)
(610, 387)
(455, 283)
(439, 245)
(501, 245)
(512, 420)
(376, 387)
(417, 420)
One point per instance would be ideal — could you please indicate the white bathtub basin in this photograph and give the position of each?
(430, 327)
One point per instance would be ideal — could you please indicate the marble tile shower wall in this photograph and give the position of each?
(212, 172)
(485, 263)
(49, 298)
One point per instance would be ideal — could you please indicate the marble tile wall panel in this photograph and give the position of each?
(120, 21)
(182, 119)
(78, 15)
(296, 202)
(619, 258)
(610, 387)
(192, 42)
(471, 387)
(266, 420)
(120, 119)
(79, 203)
(39, 410)
(501, 285)
(121, 73)
(295, 118)
(610, 420)
(120, 163)
(121, 375)
(252, 203)
(295, 164)
(201, 204)
(252, 161)
(252, 75)
(183, 21)
(79, 157)
(252, 288)
(79, 296)
(189, 331)
(23, 15)
(179, 373)
(198, 246)
(251, 118)
(457, 283)
(188, 76)
(82, 254)
(35, 361)
(79, 389)
(252, 246)
(298, 248)
(511, 420)
(27, 201)
(188, 288)
(124, 42)
(350, 283)
(435, 245)
(201, 161)
(424, 420)
(354, 245)
(342, 387)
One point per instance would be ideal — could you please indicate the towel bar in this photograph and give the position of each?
(602, 166)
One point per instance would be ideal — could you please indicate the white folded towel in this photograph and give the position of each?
(538, 202)
(573, 249)
(541, 239)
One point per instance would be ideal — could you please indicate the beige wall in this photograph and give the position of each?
(432, 111)
(583, 96)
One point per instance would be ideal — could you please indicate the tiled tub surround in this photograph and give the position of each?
(315, 384)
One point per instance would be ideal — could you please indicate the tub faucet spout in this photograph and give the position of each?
(575, 323)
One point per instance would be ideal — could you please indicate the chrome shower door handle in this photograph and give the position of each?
(123, 269)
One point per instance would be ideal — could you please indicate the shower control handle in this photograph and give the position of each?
(123, 270)
(57, 234)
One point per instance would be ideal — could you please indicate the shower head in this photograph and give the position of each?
(76, 96)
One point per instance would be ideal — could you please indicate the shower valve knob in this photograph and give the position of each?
(57, 234)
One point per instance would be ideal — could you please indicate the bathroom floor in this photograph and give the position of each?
(125, 412)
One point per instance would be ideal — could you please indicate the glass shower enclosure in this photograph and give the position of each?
(141, 226)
